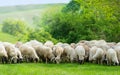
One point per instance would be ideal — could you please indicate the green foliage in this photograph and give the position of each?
(94, 20)
(14, 27)
(40, 35)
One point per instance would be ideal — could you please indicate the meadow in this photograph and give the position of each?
(58, 69)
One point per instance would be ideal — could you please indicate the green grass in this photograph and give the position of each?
(7, 37)
(58, 69)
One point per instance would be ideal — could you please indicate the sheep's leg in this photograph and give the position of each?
(46, 60)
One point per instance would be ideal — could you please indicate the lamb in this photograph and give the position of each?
(80, 52)
(98, 56)
(29, 53)
(58, 51)
(3, 54)
(112, 57)
(49, 44)
(12, 54)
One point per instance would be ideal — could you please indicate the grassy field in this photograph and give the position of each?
(58, 69)
(7, 38)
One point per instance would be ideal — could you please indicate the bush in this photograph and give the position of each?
(14, 27)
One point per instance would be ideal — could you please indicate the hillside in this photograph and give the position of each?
(7, 38)
(26, 12)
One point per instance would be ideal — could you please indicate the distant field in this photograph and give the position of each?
(26, 12)
(7, 38)
(57, 69)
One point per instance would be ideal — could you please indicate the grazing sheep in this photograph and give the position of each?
(92, 52)
(112, 57)
(86, 50)
(80, 52)
(58, 51)
(117, 49)
(69, 52)
(11, 51)
(19, 55)
(29, 53)
(98, 56)
(44, 52)
(3, 54)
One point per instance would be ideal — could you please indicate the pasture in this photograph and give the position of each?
(58, 69)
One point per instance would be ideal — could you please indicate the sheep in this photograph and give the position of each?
(44, 52)
(12, 54)
(86, 50)
(98, 56)
(117, 49)
(3, 54)
(112, 57)
(29, 53)
(19, 55)
(92, 52)
(58, 51)
(49, 44)
(80, 52)
(69, 52)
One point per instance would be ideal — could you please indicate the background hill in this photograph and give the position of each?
(23, 12)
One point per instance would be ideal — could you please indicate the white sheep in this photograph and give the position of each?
(70, 52)
(58, 51)
(92, 52)
(44, 52)
(11, 51)
(87, 49)
(80, 52)
(19, 55)
(112, 57)
(98, 56)
(3, 54)
(29, 52)
(117, 49)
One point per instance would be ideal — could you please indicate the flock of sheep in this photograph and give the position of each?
(94, 51)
